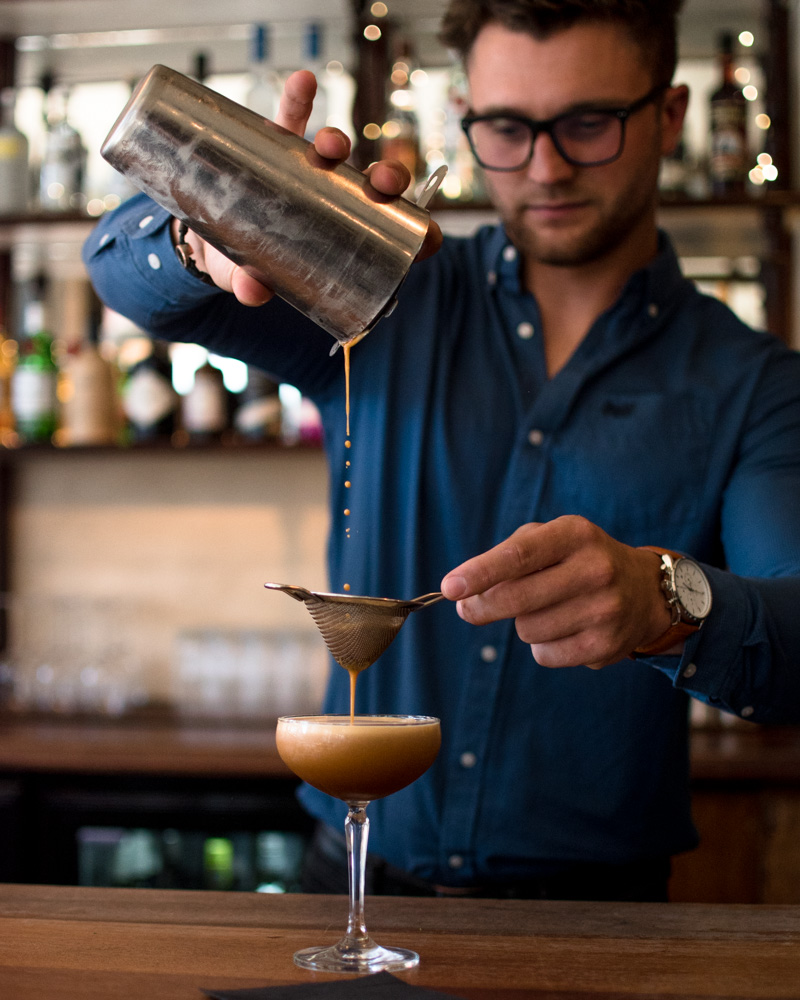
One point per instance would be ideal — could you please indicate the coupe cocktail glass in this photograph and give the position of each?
(358, 760)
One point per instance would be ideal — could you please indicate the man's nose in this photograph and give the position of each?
(547, 165)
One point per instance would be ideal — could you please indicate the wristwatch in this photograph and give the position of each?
(688, 594)
(184, 252)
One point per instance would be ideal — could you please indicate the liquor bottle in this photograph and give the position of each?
(674, 173)
(313, 46)
(88, 391)
(200, 66)
(728, 128)
(204, 409)
(149, 401)
(63, 165)
(8, 353)
(34, 386)
(265, 88)
(218, 863)
(14, 170)
(258, 415)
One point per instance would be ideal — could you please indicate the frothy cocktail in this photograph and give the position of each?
(359, 760)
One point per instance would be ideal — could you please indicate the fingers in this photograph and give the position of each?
(247, 290)
(524, 552)
(389, 177)
(577, 595)
(432, 242)
(296, 101)
(294, 111)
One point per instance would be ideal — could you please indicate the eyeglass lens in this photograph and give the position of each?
(583, 139)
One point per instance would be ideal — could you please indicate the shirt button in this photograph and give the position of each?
(455, 861)
(525, 331)
(690, 671)
(491, 278)
(509, 253)
(468, 759)
(145, 222)
(747, 711)
(536, 437)
(154, 261)
(488, 654)
(652, 310)
(104, 239)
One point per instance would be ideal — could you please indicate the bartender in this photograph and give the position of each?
(600, 465)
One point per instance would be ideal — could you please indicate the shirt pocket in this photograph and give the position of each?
(635, 462)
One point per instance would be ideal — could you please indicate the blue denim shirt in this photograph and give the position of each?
(673, 424)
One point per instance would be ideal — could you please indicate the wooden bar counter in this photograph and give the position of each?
(61, 943)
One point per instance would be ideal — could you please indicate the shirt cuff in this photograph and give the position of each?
(708, 667)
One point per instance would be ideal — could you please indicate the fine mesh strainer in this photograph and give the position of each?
(356, 629)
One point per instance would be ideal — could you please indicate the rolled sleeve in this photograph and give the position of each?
(133, 265)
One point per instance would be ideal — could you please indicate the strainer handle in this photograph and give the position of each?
(298, 593)
(426, 599)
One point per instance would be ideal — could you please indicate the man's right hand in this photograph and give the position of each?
(387, 176)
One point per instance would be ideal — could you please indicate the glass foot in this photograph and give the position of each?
(349, 956)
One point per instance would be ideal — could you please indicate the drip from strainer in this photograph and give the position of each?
(356, 629)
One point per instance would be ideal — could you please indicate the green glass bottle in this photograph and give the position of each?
(34, 387)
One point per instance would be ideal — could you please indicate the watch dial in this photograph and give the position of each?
(692, 587)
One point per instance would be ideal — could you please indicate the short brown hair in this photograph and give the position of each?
(652, 23)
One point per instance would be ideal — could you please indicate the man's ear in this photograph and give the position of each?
(673, 112)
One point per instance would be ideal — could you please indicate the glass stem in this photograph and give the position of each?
(356, 830)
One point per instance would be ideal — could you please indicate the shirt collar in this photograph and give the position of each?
(654, 287)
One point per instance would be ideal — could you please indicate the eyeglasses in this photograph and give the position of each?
(588, 137)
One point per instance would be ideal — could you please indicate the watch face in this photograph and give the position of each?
(692, 588)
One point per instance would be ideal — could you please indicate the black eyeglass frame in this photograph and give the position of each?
(548, 125)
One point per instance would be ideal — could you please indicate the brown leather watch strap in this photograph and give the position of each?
(674, 634)
(678, 629)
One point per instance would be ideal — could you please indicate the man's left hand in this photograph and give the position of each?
(577, 595)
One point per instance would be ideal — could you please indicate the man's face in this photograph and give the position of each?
(556, 213)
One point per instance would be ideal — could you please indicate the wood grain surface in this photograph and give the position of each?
(65, 943)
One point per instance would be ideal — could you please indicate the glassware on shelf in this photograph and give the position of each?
(63, 166)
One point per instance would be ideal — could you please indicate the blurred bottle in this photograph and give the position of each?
(258, 415)
(61, 173)
(218, 863)
(149, 401)
(728, 160)
(34, 399)
(265, 87)
(14, 167)
(204, 409)
(674, 175)
(400, 132)
(313, 59)
(200, 64)
(8, 355)
(88, 389)
(279, 859)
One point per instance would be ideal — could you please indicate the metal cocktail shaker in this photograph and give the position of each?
(317, 234)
